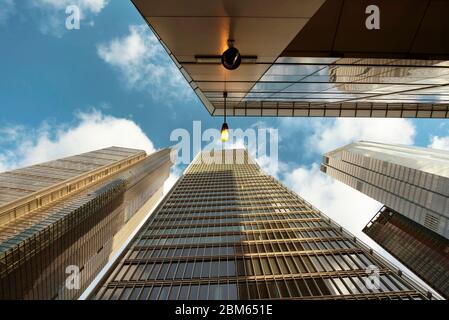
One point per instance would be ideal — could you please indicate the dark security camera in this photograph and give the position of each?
(231, 58)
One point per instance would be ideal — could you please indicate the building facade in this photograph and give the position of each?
(61, 221)
(410, 180)
(413, 183)
(227, 230)
(423, 251)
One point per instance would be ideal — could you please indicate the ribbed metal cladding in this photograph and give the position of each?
(82, 230)
(33, 262)
(229, 231)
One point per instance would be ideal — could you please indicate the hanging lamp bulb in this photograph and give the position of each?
(224, 127)
(224, 132)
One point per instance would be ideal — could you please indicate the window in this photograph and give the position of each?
(232, 291)
(174, 292)
(303, 287)
(163, 295)
(145, 293)
(181, 268)
(189, 270)
(155, 271)
(204, 292)
(231, 268)
(194, 291)
(283, 289)
(292, 288)
(257, 268)
(154, 293)
(126, 293)
(184, 292)
(242, 292)
(282, 265)
(265, 266)
(274, 265)
(313, 287)
(241, 267)
(132, 268)
(205, 272)
(163, 272)
(340, 285)
(273, 290)
(135, 294)
(263, 292)
(300, 264)
(172, 270)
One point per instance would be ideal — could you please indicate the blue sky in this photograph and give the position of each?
(69, 91)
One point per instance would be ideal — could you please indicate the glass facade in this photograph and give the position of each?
(310, 58)
(421, 250)
(228, 231)
(413, 181)
(40, 249)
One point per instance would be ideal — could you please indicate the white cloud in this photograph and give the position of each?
(8, 8)
(175, 174)
(53, 15)
(145, 65)
(441, 143)
(91, 131)
(331, 197)
(342, 131)
(86, 6)
(342, 203)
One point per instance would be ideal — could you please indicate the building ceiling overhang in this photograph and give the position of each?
(310, 57)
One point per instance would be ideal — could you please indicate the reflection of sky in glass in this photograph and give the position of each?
(347, 79)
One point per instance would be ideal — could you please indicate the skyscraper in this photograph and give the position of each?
(423, 251)
(61, 221)
(227, 230)
(413, 183)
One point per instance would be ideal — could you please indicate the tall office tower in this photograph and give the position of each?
(227, 230)
(413, 183)
(422, 250)
(61, 221)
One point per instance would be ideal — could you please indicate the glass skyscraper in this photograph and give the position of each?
(412, 183)
(61, 221)
(227, 230)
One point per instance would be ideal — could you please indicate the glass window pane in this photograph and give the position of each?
(194, 290)
(174, 292)
(184, 292)
(197, 269)
(154, 293)
(232, 291)
(204, 292)
(163, 295)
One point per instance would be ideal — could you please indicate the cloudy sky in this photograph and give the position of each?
(110, 83)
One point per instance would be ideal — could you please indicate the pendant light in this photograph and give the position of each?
(224, 127)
